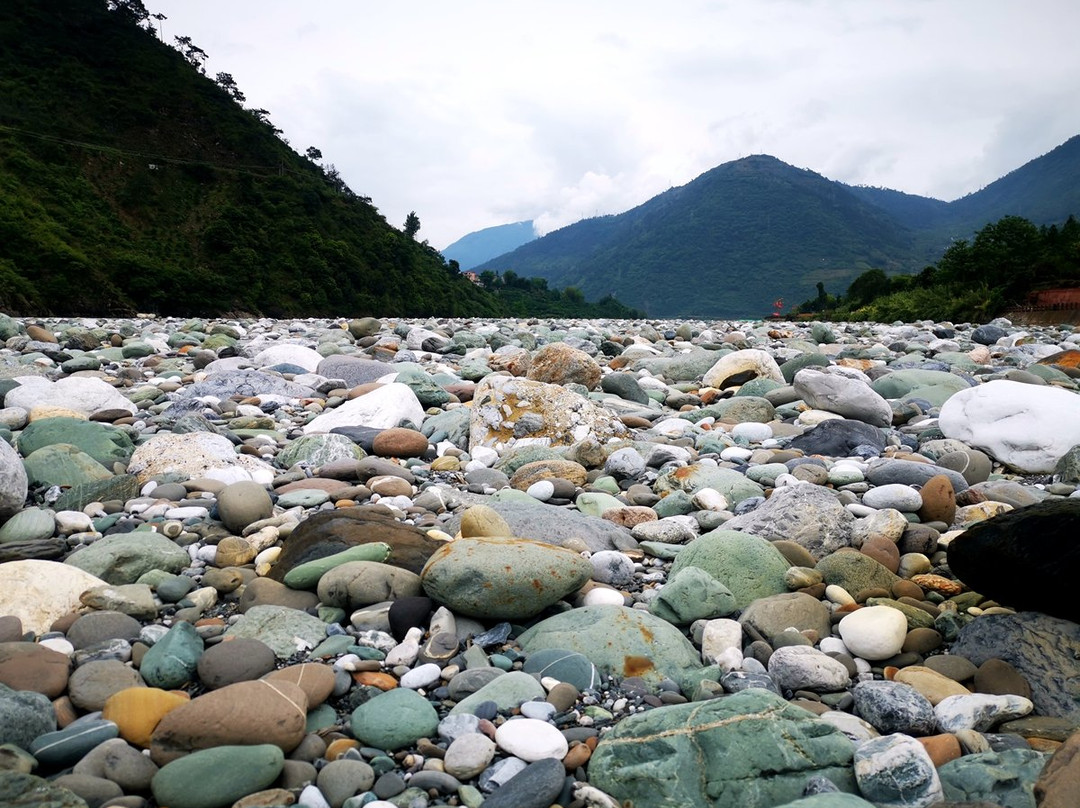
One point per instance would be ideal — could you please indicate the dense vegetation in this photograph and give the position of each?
(1000, 267)
(748, 232)
(130, 181)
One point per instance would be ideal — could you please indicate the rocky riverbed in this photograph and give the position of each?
(523, 564)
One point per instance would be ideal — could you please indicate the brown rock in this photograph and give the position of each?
(314, 678)
(482, 520)
(999, 678)
(233, 551)
(242, 713)
(93, 683)
(383, 681)
(630, 515)
(40, 334)
(907, 589)
(938, 583)
(883, 551)
(941, 748)
(558, 363)
(794, 552)
(268, 592)
(939, 500)
(11, 629)
(325, 533)
(339, 746)
(237, 659)
(933, 685)
(29, 666)
(539, 470)
(399, 442)
(1059, 782)
(137, 711)
(922, 641)
(578, 755)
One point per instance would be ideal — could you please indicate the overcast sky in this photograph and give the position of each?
(475, 113)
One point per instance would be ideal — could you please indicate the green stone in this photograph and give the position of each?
(81, 363)
(508, 691)
(916, 617)
(394, 719)
(757, 387)
(122, 487)
(855, 572)
(123, 557)
(303, 498)
(286, 631)
(63, 464)
(806, 360)
(676, 503)
(751, 749)
(1003, 778)
(692, 594)
(738, 409)
(171, 661)
(29, 524)
(318, 450)
(618, 641)
(594, 503)
(105, 443)
(749, 566)
(306, 576)
(217, 777)
(19, 790)
(732, 484)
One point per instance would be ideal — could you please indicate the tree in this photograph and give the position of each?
(313, 154)
(226, 82)
(412, 224)
(195, 55)
(872, 283)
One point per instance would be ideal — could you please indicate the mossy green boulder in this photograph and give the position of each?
(749, 566)
(105, 443)
(218, 777)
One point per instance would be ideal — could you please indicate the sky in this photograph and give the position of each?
(476, 113)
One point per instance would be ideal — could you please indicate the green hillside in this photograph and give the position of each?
(130, 182)
(751, 231)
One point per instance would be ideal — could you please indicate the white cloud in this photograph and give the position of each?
(482, 112)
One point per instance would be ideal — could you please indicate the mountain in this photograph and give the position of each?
(750, 231)
(130, 181)
(482, 245)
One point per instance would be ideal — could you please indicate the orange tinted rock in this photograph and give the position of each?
(383, 681)
(941, 748)
(136, 711)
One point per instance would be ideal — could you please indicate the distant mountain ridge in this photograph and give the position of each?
(747, 232)
(482, 245)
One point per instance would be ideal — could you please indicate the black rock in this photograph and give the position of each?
(837, 437)
(536, 786)
(1025, 558)
(987, 334)
(1044, 650)
(410, 612)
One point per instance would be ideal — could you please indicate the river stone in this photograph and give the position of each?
(874, 632)
(172, 661)
(1059, 781)
(122, 487)
(742, 409)
(884, 471)
(502, 578)
(13, 482)
(618, 641)
(394, 719)
(82, 394)
(896, 771)
(273, 712)
(566, 666)
(389, 405)
(739, 367)
(1023, 558)
(559, 363)
(692, 594)
(507, 692)
(935, 386)
(1044, 650)
(838, 437)
(734, 486)
(847, 396)
(30, 666)
(539, 522)
(29, 524)
(1026, 427)
(67, 746)
(775, 613)
(39, 592)
(218, 777)
(1006, 778)
(749, 566)
(239, 660)
(355, 370)
(318, 450)
(245, 382)
(242, 503)
(193, 455)
(325, 533)
(285, 630)
(356, 584)
(809, 515)
(19, 790)
(749, 749)
(123, 558)
(105, 443)
(64, 465)
(894, 707)
(92, 683)
(509, 411)
(307, 575)
(855, 572)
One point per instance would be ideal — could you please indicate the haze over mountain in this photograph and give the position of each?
(482, 245)
(747, 232)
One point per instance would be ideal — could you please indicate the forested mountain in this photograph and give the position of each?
(130, 181)
(482, 245)
(750, 231)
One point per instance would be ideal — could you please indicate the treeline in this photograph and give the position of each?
(973, 281)
(531, 297)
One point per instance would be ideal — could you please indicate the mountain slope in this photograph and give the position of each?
(739, 236)
(725, 245)
(129, 181)
(477, 247)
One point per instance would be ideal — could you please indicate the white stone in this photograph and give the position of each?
(531, 739)
(979, 711)
(382, 408)
(736, 453)
(753, 432)
(1024, 426)
(542, 490)
(196, 454)
(312, 797)
(468, 755)
(874, 632)
(839, 392)
(82, 394)
(750, 360)
(297, 355)
(854, 727)
(730, 660)
(800, 667)
(876, 762)
(13, 481)
(38, 592)
(718, 636)
(59, 644)
(815, 417)
(421, 676)
(833, 645)
(602, 596)
(485, 455)
(834, 593)
(709, 499)
(893, 495)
